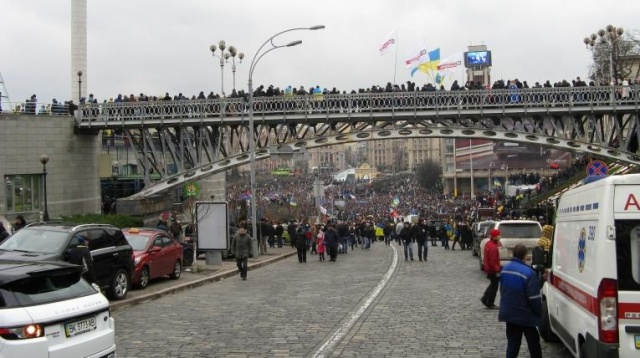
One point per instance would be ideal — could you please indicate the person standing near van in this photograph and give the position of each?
(491, 263)
(520, 304)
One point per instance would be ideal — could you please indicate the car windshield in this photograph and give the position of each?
(36, 240)
(138, 242)
(520, 231)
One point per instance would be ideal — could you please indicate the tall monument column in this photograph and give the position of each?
(78, 49)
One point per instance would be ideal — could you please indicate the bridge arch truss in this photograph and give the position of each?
(206, 137)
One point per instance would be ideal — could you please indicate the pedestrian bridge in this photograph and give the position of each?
(204, 137)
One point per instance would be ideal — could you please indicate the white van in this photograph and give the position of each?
(591, 298)
(512, 233)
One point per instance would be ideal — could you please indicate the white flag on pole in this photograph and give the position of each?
(388, 43)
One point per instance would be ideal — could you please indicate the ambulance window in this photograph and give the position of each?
(628, 252)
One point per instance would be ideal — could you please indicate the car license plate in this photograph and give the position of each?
(73, 329)
(637, 341)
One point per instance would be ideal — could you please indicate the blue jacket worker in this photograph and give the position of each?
(520, 304)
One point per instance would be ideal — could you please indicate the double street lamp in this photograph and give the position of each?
(224, 57)
(44, 159)
(609, 36)
(252, 150)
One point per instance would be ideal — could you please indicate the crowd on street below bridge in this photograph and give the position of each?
(285, 199)
(30, 106)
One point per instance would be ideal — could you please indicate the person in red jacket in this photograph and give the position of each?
(491, 262)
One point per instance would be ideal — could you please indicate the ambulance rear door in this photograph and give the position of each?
(627, 237)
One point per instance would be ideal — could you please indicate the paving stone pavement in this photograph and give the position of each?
(326, 309)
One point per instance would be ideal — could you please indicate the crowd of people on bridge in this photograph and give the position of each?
(30, 105)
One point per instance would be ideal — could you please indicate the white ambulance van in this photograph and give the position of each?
(591, 298)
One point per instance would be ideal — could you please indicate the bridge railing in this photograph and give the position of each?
(364, 102)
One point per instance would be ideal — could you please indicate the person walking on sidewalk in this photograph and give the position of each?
(520, 304)
(301, 244)
(491, 263)
(242, 250)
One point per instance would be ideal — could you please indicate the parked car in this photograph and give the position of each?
(513, 232)
(112, 254)
(479, 229)
(156, 254)
(47, 309)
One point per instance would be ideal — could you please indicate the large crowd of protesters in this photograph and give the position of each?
(388, 198)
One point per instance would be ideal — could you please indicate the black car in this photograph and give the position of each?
(113, 261)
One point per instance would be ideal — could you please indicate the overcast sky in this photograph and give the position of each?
(158, 46)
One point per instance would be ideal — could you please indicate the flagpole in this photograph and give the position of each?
(395, 66)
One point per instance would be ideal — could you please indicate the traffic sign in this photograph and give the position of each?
(597, 168)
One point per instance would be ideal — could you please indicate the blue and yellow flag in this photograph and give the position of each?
(431, 65)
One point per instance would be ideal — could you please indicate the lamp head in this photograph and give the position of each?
(317, 27)
(233, 51)
(226, 56)
(212, 48)
(601, 32)
(586, 41)
(610, 28)
(79, 73)
(594, 37)
(44, 159)
(222, 45)
(619, 31)
(294, 43)
(240, 56)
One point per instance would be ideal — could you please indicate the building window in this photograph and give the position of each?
(24, 192)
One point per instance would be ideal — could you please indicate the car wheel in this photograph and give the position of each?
(120, 284)
(177, 270)
(545, 328)
(145, 277)
(187, 257)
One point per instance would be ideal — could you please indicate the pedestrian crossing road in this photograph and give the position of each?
(370, 303)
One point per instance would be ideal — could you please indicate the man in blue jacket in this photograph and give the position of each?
(520, 304)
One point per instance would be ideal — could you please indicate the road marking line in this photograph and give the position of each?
(326, 348)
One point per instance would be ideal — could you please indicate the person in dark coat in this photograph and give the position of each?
(79, 254)
(279, 232)
(242, 250)
(3, 233)
(331, 241)
(301, 244)
(520, 304)
(19, 223)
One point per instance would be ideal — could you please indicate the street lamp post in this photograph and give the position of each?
(224, 57)
(233, 52)
(252, 150)
(44, 159)
(79, 87)
(610, 36)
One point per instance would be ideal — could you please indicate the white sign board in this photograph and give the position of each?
(213, 225)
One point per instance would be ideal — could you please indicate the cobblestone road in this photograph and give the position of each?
(363, 305)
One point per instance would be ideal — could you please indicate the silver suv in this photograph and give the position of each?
(513, 232)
